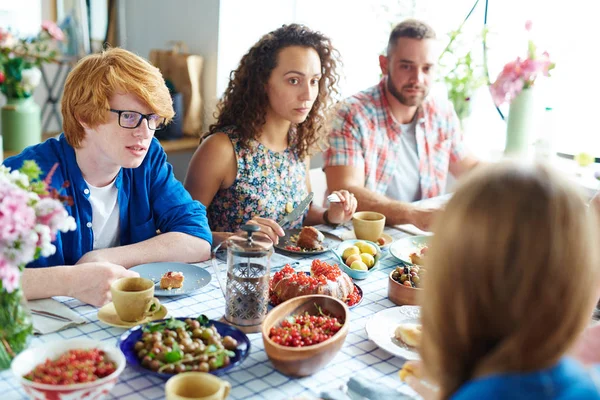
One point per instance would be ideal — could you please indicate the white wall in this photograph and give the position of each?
(152, 24)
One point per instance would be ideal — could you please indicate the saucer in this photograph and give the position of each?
(349, 235)
(108, 315)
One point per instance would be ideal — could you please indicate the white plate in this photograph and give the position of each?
(402, 248)
(381, 326)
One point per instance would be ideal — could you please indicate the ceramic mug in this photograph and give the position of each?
(368, 225)
(134, 299)
(196, 386)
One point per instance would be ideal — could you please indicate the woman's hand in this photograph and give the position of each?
(342, 211)
(412, 374)
(269, 227)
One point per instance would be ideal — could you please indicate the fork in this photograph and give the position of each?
(333, 198)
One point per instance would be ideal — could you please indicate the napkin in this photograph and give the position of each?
(43, 325)
(363, 389)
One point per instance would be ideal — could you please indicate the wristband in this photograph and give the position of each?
(326, 219)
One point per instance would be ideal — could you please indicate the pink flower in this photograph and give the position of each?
(53, 30)
(520, 74)
(9, 275)
(528, 25)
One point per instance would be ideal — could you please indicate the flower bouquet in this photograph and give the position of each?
(31, 215)
(20, 62)
(514, 85)
(20, 59)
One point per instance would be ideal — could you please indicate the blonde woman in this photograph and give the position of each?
(514, 279)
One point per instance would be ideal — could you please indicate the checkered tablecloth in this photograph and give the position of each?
(255, 378)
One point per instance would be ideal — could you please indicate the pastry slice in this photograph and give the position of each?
(171, 280)
(409, 334)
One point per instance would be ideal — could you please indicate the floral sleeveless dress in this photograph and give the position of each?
(268, 184)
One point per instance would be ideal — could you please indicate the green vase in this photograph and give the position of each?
(521, 125)
(16, 325)
(21, 124)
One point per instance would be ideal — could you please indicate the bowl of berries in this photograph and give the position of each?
(73, 369)
(303, 334)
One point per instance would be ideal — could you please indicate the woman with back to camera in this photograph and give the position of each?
(514, 278)
(252, 166)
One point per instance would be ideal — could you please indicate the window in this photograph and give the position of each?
(359, 30)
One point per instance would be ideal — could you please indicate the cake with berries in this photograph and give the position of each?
(324, 279)
(310, 238)
(171, 280)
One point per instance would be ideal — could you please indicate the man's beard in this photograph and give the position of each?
(407, 101)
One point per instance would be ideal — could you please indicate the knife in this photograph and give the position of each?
(296, 212)
(50, 315)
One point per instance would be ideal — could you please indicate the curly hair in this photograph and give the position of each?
(245, 101)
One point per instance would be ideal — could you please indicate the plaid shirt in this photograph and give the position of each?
(364, 134)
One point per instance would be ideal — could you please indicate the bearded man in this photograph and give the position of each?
(394, 143)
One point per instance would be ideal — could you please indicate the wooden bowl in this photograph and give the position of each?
(402, 295)
(304, 361)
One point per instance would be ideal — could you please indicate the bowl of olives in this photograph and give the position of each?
(404, 284)
(167, 347)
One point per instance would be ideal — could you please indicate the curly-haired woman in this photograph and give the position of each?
(252, 165)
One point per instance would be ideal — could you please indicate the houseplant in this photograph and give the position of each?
(460, 72)
(515, 85)
(20, 59)
(31, 215)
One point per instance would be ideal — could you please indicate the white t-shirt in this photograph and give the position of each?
(405, 183)
(105, 215)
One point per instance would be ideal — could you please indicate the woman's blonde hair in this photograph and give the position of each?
(512, 275)
(97, 77)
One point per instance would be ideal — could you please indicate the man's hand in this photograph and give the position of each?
(92, 256)
(423, 218)
(342, 211)
(90, 282)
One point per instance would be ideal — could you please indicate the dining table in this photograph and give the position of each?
(255, 377)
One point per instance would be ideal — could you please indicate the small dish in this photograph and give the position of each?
(195, 277)
(356, 274)
(329, 243)
(386, 239)
(402, 248)
(381, 327)
(400, 294)
(108, 315)
(128, 339)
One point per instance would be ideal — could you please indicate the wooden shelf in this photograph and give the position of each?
(187, 143)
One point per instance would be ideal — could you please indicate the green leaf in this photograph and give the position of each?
(211, 348)
(31, 169)
(175, 323)
(219, 360)
(174, 355)
(203, 319)
(154, 327)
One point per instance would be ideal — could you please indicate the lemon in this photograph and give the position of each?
(584, 159)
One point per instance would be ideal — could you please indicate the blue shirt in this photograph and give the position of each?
(566, 380)
(150, 199)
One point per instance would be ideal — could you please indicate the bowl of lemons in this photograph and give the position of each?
(358, 257)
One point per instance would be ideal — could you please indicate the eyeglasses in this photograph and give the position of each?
(133, 119)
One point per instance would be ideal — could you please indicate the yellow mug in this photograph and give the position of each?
(196, 386)
(133, 298)
(368, 225)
